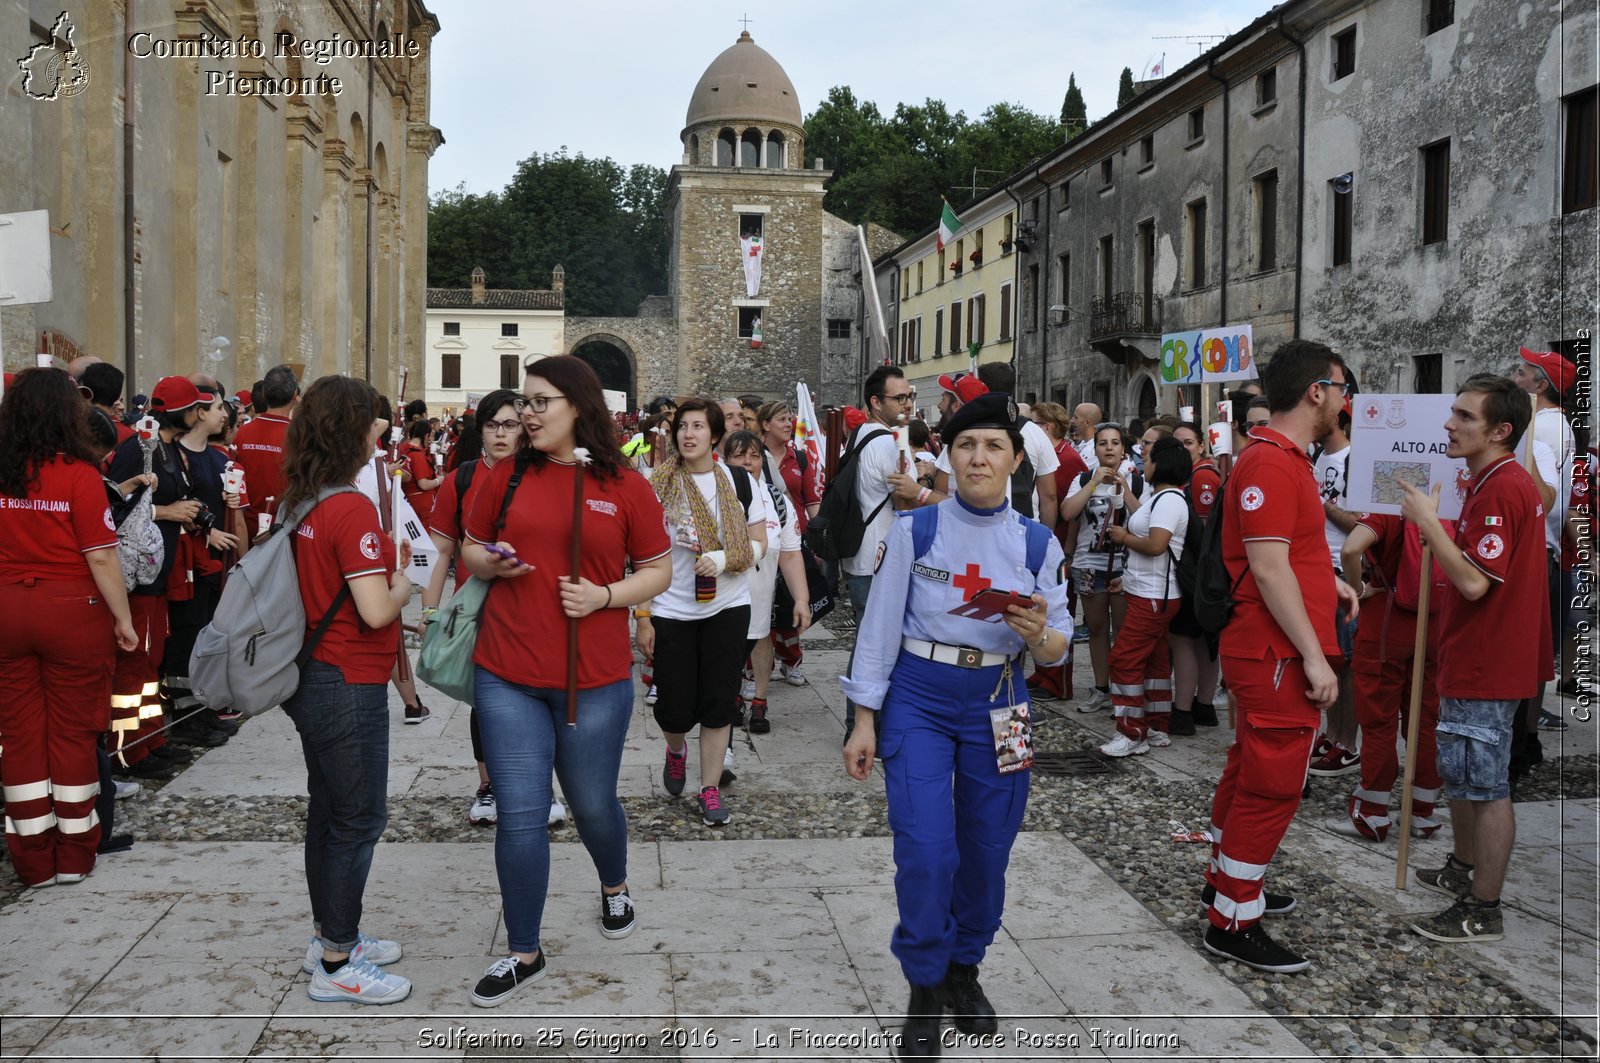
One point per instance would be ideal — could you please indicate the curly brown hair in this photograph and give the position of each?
(43, 414)
(328, 439)
(593, 428)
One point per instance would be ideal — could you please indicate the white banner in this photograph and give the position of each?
(1402, 437)
(869, 289)
(1206, 356)
(751, 249)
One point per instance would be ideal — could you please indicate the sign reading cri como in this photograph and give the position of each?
(1208, 355)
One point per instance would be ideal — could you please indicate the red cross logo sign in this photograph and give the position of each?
(971, 582)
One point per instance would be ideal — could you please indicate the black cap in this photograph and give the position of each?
(993, 410)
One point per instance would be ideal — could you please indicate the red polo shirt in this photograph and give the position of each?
(1498, 647)
(1205, 487)
(1272, 496)
(419, 463)
(443, 519)
(523, 637)
(342, 540)
(259, 448)
(46, 533)
(1384, 625)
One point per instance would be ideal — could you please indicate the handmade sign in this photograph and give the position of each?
(1402, 437)
(1206, 356)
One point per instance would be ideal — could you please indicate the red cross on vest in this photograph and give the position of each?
(971, 582)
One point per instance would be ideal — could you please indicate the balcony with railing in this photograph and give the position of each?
(1123, 316)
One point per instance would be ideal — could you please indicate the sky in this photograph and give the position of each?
(612, 78)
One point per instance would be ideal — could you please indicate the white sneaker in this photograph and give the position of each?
(360, 981)
(1099, 700)
(483, 812)
(1122, 746)
(126, 788)
(368, 949)
(796, 676)
(747, 689)
(650, 695)
(1158, 740)
(558, 812)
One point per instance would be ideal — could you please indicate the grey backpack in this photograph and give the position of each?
(140, 547)
(249, 657)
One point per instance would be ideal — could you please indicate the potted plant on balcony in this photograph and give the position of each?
(1005, 246)
(955, 267)
(976, 257)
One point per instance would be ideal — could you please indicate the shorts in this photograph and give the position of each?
(1475, 747)
(1087, 581)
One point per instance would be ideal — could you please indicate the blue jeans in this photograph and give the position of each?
(344, 733)
(525, 735)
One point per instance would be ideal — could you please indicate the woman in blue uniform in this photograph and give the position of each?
(956, 736)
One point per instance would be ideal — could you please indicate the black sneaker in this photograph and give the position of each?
(197, 733)
(759, 724)
(738, 712)
(173, 754)
(417, 713)
(148, 768)
(213, 719)
(616, 914)
(1182, 723)
(1277, 903)
(116, 843)
(1204, 713)
(505, 977)
(1254, 947)
(964, 999)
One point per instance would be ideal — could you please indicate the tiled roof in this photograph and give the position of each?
(494, 299)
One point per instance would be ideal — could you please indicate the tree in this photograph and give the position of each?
(1074, 115)
(604, 224)
(1125, 90)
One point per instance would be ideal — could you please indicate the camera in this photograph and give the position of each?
(205, 520)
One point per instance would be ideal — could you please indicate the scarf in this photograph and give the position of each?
(688, 508)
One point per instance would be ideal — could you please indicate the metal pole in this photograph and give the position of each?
(372, 131)
(130, 353)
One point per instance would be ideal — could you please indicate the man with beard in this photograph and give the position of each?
(1279, 648)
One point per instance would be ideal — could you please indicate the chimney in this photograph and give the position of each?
(558, 280)
(477, 286)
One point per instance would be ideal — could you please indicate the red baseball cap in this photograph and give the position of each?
(243, 399)
(174, 394)
(1560, 371)
(963, 386)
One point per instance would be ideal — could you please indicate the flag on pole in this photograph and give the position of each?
(869, 292)
(949, 225)
(755, 331)
(808, 434)
(750, 249)
(1155, 71)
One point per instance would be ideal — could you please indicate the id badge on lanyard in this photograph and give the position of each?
(1012, 726)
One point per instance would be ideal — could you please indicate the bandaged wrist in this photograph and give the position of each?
(757, 552)
(718, 558)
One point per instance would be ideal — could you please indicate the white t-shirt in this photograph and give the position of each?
(1095, 550)
(677, 602)
(1333, 468)
(1550, 427)
(878, 460)
(1156, 578)
(782, 536)
(1041, 453)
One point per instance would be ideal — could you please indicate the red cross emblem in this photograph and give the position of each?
(971, 582)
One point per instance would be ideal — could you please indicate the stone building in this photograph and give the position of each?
(279, 188)
(744, 174)
(1412, 182)
(480, 338)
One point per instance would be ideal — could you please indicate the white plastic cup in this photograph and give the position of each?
(1221, 438)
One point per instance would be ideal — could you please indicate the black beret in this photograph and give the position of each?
(993, 410)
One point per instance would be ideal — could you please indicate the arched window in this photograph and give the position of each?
(750, 149)
(727, 144)
(694, 149)
(775, 151)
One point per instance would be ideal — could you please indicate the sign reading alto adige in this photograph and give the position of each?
(1206, 356)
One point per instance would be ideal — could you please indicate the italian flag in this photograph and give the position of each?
(949, 225)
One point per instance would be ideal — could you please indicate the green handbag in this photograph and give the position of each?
(447, 644)
(445, 662)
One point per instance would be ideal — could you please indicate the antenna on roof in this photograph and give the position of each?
(1197, 39)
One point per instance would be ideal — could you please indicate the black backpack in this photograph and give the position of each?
(1203, 576)
(1188, 560)
(835, 533)
(1022, 485)
(464, 473)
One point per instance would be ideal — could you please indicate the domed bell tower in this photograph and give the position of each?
(747, 230)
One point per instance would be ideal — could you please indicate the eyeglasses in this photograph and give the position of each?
(499, 427)
(1343, 385)
(907, 397)
(536, 403)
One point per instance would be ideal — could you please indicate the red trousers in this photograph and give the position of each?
(786, 646)
(56, 648)
(1261, 783)
(1141, 667)
(136, 712)
(1058, 678)
(1381, 681)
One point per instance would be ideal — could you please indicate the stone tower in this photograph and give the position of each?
(743, 173)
